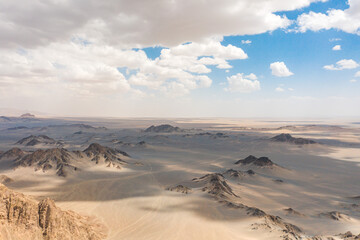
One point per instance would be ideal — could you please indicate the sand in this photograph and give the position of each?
(133, 202)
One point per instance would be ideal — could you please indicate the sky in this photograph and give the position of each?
(181, 58)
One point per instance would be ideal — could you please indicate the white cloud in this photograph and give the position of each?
(357, 74)
(336, 48)
(342, 64)
(279, 69)
(347, 20)
(334, 39)
(246, 41)
(136, 24)
(291, 89)
(243, 84)
(279, 89)
(353, 80)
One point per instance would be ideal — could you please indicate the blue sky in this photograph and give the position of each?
(148, 65)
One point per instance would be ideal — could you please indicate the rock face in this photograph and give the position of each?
(63, 161)
(165, 128)
(261, 162)
(238, 174)
(284, 137)
(22, 217)
(36, 140)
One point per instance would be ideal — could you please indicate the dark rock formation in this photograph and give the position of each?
(111, 156)
(284, 137)
(261, 162)
(165, 128)
(56, 158)
(180, 188)
(36, 140)
(216, 185)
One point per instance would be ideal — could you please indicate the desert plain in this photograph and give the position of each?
(211, 178)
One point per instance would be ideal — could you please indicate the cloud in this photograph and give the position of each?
(92, 69)
(279, 89)
(342, 64)
(291, 89)
(353, 80)
(246, 41)
(334, 39)
(243, 84)
(336, 48)
(137, 24)
(347, 20)
(279, 69)
(357, 74)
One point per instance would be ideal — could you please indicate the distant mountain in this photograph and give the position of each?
(38, 140)
(62, 161)
(27, 219)
(165, 128)
(261, 162)
(27, 115)
(284, 137)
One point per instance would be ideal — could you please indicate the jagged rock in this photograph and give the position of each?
(36, 140)
(111, 156)
(56, 158)
(62, 160)
(164, 128)
(284, 137)
(26, 219)
(216, 185)
(349, 236)
(180, 188)
(13, 154)
(261, 162)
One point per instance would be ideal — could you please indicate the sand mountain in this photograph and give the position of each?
(39, 140)
(22, 217)
(64, 162)
(284, 137)
(164, 128)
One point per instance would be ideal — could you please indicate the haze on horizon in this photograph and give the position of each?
(282, 58)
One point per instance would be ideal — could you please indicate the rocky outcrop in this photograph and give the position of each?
(238, 174)
(13, 154)
(62, 161)
(110, 156)
(57, 159)
(22, 217)
(37, 140)
(164, 128)
(260, 162)
(216, 185)
(284, 137)
(334, 215)
(180, 189)
(5, 179)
